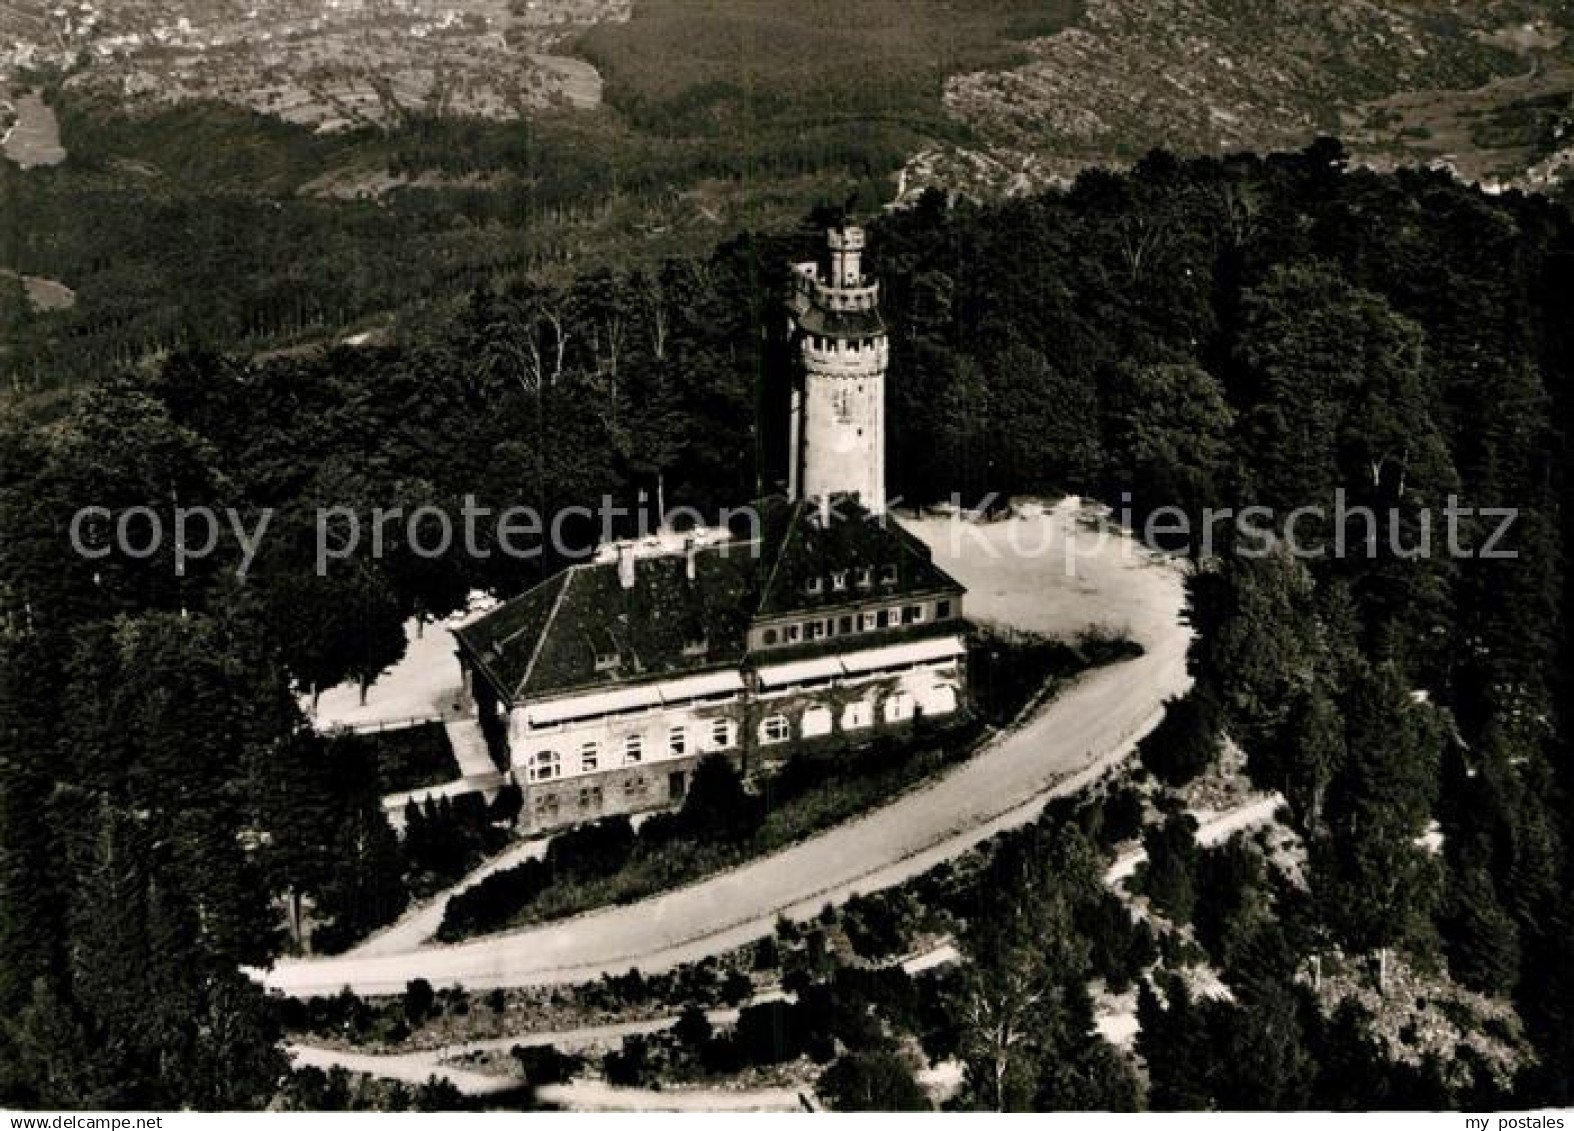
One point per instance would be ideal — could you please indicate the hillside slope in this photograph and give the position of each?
(1210, 76)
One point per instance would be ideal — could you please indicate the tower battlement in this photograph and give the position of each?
(847, 245)
(849, 238)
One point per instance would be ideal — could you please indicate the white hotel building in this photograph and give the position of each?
(601, 688)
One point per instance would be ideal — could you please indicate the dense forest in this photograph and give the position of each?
(1199, 333)
(202, 223)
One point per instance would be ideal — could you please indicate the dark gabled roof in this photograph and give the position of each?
(504, 642)
(807, 549)
(655, 627)
(558, 636)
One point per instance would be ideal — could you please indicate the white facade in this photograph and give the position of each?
(629, 748)
(838, 409)
(626, 727)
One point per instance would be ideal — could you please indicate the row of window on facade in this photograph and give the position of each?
(844, 345)
(863, 298)
(818, 721)
(847, 624)
(592, 798)
(547, 765)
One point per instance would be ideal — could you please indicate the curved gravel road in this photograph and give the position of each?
(1017, 574)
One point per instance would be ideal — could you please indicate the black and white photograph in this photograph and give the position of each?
(786, 556)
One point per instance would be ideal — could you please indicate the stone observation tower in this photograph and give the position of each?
(604, 688)
(837, 444)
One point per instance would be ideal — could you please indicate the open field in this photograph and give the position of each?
(33, 138)
(328, 66)
(1200, 77)
(44, 295)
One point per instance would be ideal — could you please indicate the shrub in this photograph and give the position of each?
(693, 1029)
(877, 925)
(1169, 878)
(544, 1064)
(877, 1080)
(1184, 743)
(1122, 812)
(630, 1066)
(768, 1033)
(736, 988)
(418, 1001)
(594, 850)
(717, 807)
(508, 803)
(767, 954)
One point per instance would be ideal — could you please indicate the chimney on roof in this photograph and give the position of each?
(626, 565)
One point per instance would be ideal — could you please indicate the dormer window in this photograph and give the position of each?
(608, 657)
(838, 580)
(865, 577)
(696, 646)
(814, 586)
(888, 574)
